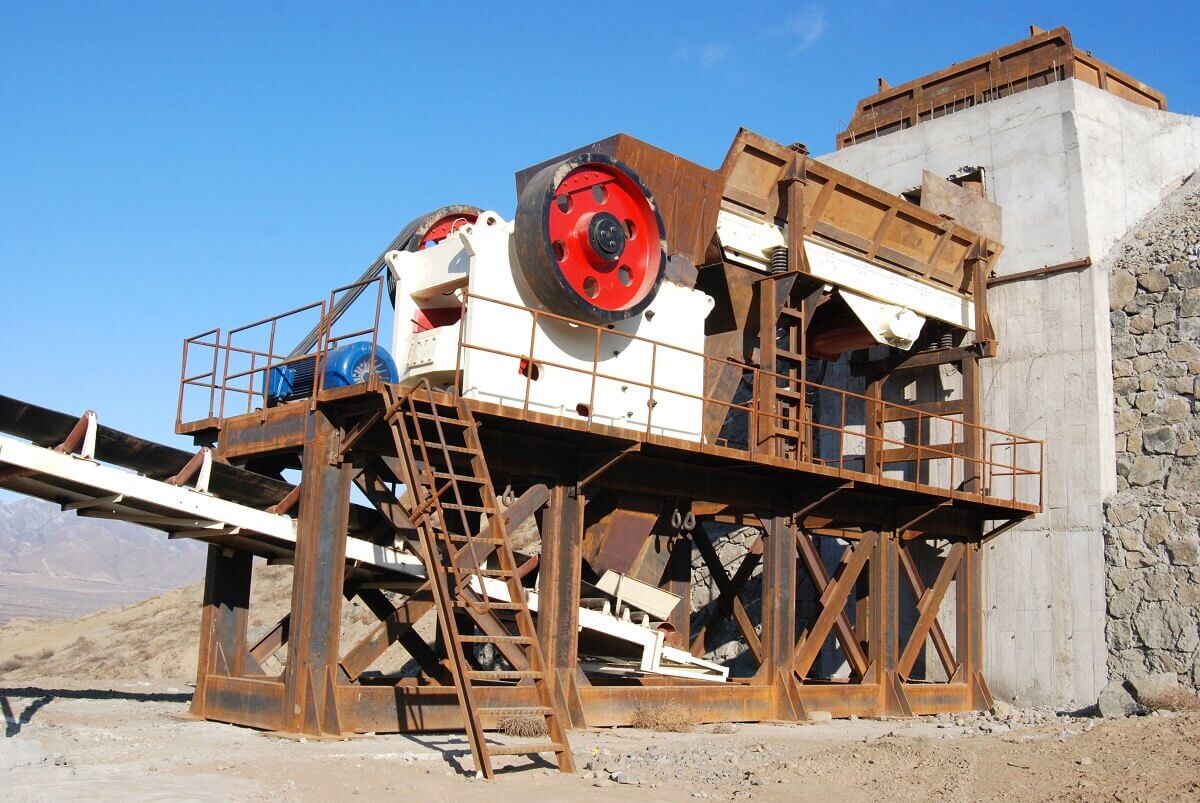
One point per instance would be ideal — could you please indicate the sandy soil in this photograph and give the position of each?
(115, 741)
(156, 639)
(40, 596)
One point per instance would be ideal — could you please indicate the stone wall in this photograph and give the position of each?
(1151, 524)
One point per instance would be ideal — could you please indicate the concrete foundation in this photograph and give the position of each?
(1073, 168)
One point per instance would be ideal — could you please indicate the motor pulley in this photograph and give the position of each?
(589, 239)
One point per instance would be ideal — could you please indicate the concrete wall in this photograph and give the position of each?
(1073, 167)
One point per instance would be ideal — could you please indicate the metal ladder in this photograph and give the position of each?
(460, 526)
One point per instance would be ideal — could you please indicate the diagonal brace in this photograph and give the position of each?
(820, 577)
(833, 603)
(727, 591)
(929, 601)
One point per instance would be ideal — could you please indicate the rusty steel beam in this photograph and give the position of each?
(928, 604)
(821, 582)
(313, 649)
(833, 600)
(395, 627)
(422, 653)
(728, 592)
(222, 623)
(559, 586)
(779, 604)
(884, 623)
(270, 643)
(251, 702)
(677, 579)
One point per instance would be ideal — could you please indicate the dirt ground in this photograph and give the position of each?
(113, 741)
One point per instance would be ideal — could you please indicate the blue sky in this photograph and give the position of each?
(167, 167)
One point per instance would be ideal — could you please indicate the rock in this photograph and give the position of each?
(819, 716)
(1183, 551)
(1158, 529)
(1085, 761)
(1002, 709)
(1156, 631)
(1149, 686)
(1146, 471)
(1124, 346)
(1151, 343)
(1190, 308)
(1154, 281)
(1141, 324)
(1115, 701)
(1121, 289)
(1176, 410)
(1161, 440)
(1122, 514)
(1127, 419)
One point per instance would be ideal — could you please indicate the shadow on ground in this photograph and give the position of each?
(38, 698)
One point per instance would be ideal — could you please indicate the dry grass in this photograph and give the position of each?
(45, 654)
(668, 717)
(522, 725)
(1172, 700)
(724, 728)
(12, 664)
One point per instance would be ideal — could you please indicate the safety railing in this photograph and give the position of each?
(224, 377)
(782, 418)
(806, 423)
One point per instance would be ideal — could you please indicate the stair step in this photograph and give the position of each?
(529, 710)
(784, 354)
(436, 448)
(452, 421)
(504, 674)
(466, 478)
(473, 539)
(500, 574)
(494, 605)
(427, 402)
(524, 749)
(466, 508)
(495, 639)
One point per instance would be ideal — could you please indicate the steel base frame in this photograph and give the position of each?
(323, 690)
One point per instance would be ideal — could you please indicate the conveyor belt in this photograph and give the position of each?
(93, 488)
(45, 427)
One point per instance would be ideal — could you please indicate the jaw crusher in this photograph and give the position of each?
(623, 363)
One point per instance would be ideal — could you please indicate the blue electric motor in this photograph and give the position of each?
(344, 366)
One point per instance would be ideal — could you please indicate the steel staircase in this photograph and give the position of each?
(455, 513)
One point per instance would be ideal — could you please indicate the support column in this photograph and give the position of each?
(779, 616)
(968, 622)
(778, 595)
(223, 620)
(873, 446)
(678, 580)
(972, 447)
(883, 631)
(558, 591)
(317, 582)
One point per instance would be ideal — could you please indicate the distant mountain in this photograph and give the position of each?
(36, 538)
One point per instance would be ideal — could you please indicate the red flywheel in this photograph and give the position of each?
(428, 230)
(590, 240)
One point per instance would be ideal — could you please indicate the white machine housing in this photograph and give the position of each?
(665, 350)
